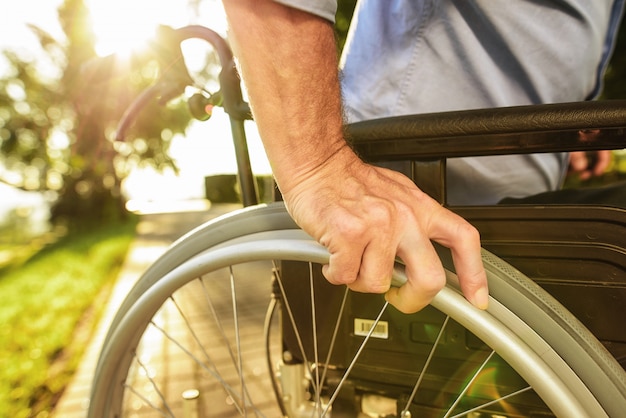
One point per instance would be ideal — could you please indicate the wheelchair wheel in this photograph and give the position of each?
(234, 321)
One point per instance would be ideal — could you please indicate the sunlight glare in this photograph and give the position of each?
(122, 26)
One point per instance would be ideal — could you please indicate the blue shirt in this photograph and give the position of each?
(416, 56)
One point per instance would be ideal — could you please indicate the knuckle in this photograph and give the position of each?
(434, 284)
(378, 287)
(374, 288)
(475, 280)
(468, 232)
(380, 212)
(339, 279)
(349, 228)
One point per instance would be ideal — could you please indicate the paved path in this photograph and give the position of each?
(155, 232)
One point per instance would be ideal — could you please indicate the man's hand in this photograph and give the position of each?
(592, 163)
(588, 165)
(366, 216)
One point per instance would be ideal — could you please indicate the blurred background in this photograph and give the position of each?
(57, 119)
(68, 190)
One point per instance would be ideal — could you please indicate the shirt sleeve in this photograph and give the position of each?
(322, 8)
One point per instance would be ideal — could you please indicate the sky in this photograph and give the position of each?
(115, 22)
(14, 17)
(206, 149)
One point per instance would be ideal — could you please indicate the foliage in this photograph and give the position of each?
(41, 305)
(345, 9)
(57, 132)
(614, 88)
(615, 77)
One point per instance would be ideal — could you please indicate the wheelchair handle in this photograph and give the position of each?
(173, 84)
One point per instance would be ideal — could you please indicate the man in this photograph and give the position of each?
(364, 215)
(406, 57)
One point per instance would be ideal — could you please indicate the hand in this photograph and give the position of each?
(589, 164)
(366, 216)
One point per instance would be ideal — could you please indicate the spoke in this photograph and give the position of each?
(192, 332)
(222, 333)
(155, 387)
(239, 363)
(423, 372)
(218, 322)
(292, 319)
(147, 402)
(213, 372)
(464, 391)
(318, 388)
(270, 367)
(202, 347)
(354, 360)
(493, 402)
(331, 346)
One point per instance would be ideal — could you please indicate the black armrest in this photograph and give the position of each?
(579, 126)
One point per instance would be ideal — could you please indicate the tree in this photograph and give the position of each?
(615, 78)
(345, 10)
(57, 132)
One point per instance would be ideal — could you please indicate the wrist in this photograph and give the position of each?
(327, 165)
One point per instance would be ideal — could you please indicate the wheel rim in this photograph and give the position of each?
(561, 396)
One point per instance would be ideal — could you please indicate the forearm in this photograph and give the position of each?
(288, 61)
(364, 215)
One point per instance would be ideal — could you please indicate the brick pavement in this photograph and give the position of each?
(155, 232)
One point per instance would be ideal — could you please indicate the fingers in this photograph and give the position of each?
(463, 240)
(602, 163)
(380, 216)
(368, 268)
(343, 265)
(364, 263)
(376, 268)
(424, 271)
(586, 166)
(425, 277)
(578, 161)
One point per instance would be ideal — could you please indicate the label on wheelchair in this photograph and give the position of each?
(362, 327)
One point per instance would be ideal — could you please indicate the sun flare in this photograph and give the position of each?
(122, 26)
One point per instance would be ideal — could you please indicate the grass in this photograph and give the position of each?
(43, 305)
(17, 249)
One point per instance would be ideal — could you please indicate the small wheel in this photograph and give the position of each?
(193, 339)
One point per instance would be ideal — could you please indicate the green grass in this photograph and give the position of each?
(14, 253)
(43, 305)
